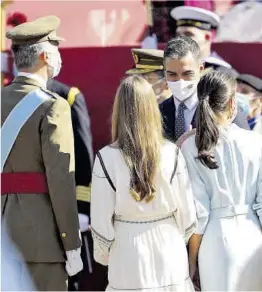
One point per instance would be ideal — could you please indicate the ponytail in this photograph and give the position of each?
(214, 90)
(207, 134)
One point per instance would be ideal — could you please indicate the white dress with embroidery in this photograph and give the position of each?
(143, 244)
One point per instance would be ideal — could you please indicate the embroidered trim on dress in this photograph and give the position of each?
(101, 238)
(116, 218)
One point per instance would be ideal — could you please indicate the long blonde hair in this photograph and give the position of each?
(137, 129)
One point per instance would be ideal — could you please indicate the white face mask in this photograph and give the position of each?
(182, 89)
(54, 63)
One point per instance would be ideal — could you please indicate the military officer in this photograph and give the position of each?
(83, 169)
(149, 64)
(252, 87)
(198, 23)
(82, 138)
(39, 208)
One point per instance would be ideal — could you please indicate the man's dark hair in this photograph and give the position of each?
(179, 47)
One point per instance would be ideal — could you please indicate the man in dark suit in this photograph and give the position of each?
(83, 170)
(83, 140)
(183, 67)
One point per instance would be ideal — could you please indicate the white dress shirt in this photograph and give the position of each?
(191, 105)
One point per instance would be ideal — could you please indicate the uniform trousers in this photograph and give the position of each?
(35, 276)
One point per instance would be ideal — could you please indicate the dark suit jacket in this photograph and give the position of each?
(168, 111)
(83, 143)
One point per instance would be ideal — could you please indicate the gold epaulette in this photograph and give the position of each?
(71, 96)
(83, 193)
(184, 137)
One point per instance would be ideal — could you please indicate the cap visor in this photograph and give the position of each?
(139, 71)
(57, 39)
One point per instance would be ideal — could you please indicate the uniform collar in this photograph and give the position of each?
(190, 103)
(34, 77)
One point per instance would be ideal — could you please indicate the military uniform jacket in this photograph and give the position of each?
(42, 226)
(83, 141)
(168, 111)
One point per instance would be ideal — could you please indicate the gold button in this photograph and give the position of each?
(63, 234)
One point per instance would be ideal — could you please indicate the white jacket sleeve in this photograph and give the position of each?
(202, 202)
(102, 212)
(186, 212)
(258, 202)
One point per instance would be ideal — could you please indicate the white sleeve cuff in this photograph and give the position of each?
(74, 262)
(83, 222)
(201, 225)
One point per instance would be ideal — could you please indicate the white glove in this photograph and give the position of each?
(74, 262)
(83, 222)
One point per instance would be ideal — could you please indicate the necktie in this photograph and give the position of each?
(180, 125)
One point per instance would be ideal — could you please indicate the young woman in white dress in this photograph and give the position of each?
(225, 167)
(142, 208)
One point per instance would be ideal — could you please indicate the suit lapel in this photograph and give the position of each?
(172, 115)
(194, 120)
(169, 112)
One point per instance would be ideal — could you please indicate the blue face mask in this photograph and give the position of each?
(243, 101)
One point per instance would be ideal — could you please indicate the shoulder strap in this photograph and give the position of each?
(17, 118)
(105, 171)
(175, 166)
(71, 96)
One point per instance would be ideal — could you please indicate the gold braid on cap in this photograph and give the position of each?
(154, 67)
(191, 22)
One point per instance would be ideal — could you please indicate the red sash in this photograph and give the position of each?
(23, 183)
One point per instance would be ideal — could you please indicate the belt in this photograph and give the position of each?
(23, 183)
(230, 211)
(124, 219)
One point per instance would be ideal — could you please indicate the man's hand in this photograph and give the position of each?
(160, 86)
